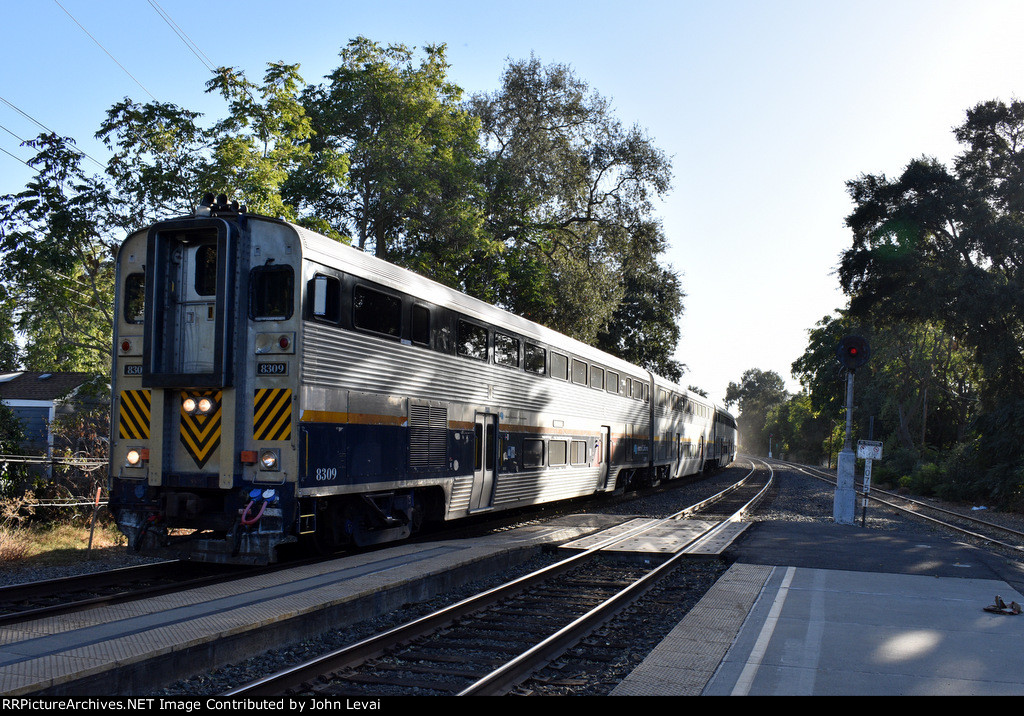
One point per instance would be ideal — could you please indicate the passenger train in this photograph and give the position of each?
(272, 385)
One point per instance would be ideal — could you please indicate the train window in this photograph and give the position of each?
(535, 359)
(578, 453)
(597, 377)
(376, 311)
(421, 325)
(506, 350)
(559, 366)
(135, 297)
(533, 453)
(270, 293)
(612, 382)
(325, 298)
(472, 340)
(557, 452)
(579, 372)
(206, 270)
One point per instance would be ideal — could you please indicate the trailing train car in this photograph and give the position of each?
(272, 385)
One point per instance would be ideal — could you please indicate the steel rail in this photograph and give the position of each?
(962, 530)
(507, 676)
(351, 655)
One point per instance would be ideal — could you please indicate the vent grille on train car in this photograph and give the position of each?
(428, 437)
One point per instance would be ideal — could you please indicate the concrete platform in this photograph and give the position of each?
(126, 649)
(903, 616)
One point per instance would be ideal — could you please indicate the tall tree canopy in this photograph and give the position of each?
(569, 197)
(410, 194)
(946, 246)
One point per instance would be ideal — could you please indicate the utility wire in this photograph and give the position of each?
(105, 50)
(202, 57)
(72, 147)
(16, 158)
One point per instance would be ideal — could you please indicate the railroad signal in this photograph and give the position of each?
(853, 352)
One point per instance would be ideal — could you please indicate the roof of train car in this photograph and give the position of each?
(328, 251)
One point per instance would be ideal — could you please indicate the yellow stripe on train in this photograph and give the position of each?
(133, 418)
(272, 414)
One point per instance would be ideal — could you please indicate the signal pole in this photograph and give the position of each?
(853, 352)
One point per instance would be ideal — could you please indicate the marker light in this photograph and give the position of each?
(134, 457)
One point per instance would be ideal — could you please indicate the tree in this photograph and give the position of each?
(165, 160)
(947, 247)
(757, 394)
(569, 198)
(57, 264)
(410, 195)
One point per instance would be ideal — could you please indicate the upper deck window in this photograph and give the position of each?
(559, 366)
(579, 372)
(325, 297)
(376, 311)
(506, 350)
(271, 293)
(472, 340)
(535, 359)
(421, 325)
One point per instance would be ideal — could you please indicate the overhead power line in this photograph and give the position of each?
(39, 124)
(105, 50)
(183, 36)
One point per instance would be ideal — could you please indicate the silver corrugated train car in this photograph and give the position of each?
(272, 385)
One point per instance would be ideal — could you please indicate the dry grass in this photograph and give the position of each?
(58, 544)
(27, 542)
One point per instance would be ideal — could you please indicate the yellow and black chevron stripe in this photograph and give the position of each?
(134, 414)
(272, 414)
(200, 434)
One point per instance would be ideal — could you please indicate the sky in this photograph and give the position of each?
(765, 107)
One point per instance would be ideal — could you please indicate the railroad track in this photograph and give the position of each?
(967, 525)
(491, 642)
(47, 598)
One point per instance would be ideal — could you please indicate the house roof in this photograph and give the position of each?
(29, 385)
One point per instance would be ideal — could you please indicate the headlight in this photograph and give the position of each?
(134, 457)
(200, 406)
(268, 459)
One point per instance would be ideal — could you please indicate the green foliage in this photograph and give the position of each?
(569, 197)
(759, 397)
(934, 277)
(410, 148)
(57, 266)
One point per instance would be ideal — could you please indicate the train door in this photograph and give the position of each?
(189, 306)
(484, 468)
(196, 300)
(602, 455)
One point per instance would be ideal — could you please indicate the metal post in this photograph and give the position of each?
(844, 508)
(867, 489)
